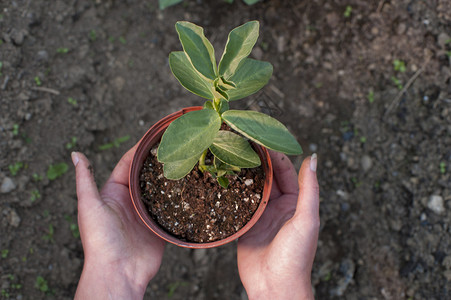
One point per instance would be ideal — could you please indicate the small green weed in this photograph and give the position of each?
(41, 284)
(93, 35)
(49, 235)
(356, 182)
(62, 50)
(15, 168)
(36, 177)
(73, 227)
(442, 167)
(4, 253)
(35, 195)
(16, 129)
(397, 82)
(363, 139)
(72, 101)
(370, 96)
(37, 80)
(1, 66)
(72, 143)
(5, 294)
(399, 65)
(328, 276)
(174, 286)
(57, 170)
(116, 143)
(348, 11)
(448, 53)
(111, 39)
(45, 213)
(122, 40)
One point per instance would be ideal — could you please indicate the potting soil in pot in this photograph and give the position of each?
(196, 208)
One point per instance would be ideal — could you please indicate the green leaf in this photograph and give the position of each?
(239, 45)
(223, 106)
(263, 130)
(178, 169)
(208, 105)
(249, 78)
(57, 170)
(251, 2)
(223, 181)
(191, 80)
(234, 150)
(189, 135)
(166, 3)
(198, 48)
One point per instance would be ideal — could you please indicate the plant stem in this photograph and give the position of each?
(202, 166)
(216, 103)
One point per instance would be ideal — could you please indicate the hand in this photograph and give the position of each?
(275, 257)
(121, 254)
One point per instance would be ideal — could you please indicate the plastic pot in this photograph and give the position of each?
(153, 136)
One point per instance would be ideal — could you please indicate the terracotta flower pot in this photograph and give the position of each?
(153, 136)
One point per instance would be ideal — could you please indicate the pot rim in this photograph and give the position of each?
(152, 136)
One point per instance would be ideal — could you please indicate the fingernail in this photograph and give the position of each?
(75, 159)
(313, 162)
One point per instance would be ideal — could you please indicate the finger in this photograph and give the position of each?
(308, 200)
(284, 173)
(120, 172)
(87, 191)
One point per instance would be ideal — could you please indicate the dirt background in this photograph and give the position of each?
(384, 151)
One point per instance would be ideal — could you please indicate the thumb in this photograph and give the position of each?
(307, 208)
(87, 191)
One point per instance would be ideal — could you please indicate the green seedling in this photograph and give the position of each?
(442, 167)
(41, 284)
(1, 67)
(399, 65)
(62, 50)
(37, 80)
(72, 143)
(348, 11)
(122, 40)
(35, 195)
(45, 213)
(370, 96)
(356, 182)
(36, 177)
(188, 139)
(166, 3)
(16, 129)
(72, 101)
(363, 139)
(4, 253)
(49, 235)
(116, 143)
(15, 168)
(448, 53)
(397, 82)
(5, 294)
(73, 227)
(174, 286)
(93, 35)
(111, 39)
(57, 170)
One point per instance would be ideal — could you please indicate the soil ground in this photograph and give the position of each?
(98, 71)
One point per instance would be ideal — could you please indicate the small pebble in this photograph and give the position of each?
(248, 182)
(436, 204)
(7, 186)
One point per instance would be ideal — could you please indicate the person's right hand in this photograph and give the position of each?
(275, 257)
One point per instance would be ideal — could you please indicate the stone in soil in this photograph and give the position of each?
(7, 186)
(196, 208)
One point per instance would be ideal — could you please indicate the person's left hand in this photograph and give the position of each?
(121, 254)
